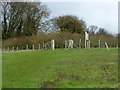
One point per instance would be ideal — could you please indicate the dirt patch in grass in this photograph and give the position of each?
(70, 76)
(47, 84)
(74, 77)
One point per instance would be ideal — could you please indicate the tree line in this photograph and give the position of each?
(31, 18)
(22, 18)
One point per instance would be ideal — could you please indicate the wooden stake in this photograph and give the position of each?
(107, 47)
(99, 43)
(33, 47)
(53, 44)
(26, 47)
(39, 46)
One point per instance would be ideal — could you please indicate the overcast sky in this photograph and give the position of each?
(102, 14)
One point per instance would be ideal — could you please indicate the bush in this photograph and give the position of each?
(59, 40)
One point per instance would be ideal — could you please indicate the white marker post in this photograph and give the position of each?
(65, 44)
(107, 47)
(117, 46)
(70, 44)
(86, 40)
(53, 44)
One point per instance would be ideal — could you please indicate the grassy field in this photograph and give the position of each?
(94, 68)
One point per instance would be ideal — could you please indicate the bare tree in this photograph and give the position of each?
(92, 29)
(22, 18)
(102, 31)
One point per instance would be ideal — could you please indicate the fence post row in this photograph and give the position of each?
(68, 45)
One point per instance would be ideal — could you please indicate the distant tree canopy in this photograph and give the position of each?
(92, 29)
(22, 18)
(70, 24)
(30, 18)
(102, 31)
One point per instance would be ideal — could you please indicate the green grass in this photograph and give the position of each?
(94, 68)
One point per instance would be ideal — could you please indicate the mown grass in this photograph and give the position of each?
(94, 68)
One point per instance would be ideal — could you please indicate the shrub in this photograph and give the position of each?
(59, 40)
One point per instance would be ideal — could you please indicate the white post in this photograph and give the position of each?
(107, 47)
(71, 44)
(27, 47)
(86, 39)
(117, 46)
(99, 43)
(53, 44)
(33, 47)
(39, 46)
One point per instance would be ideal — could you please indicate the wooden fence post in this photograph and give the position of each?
(33, 47)
(26, 47)
(107, 47)
(99, 43)
(53, 44)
